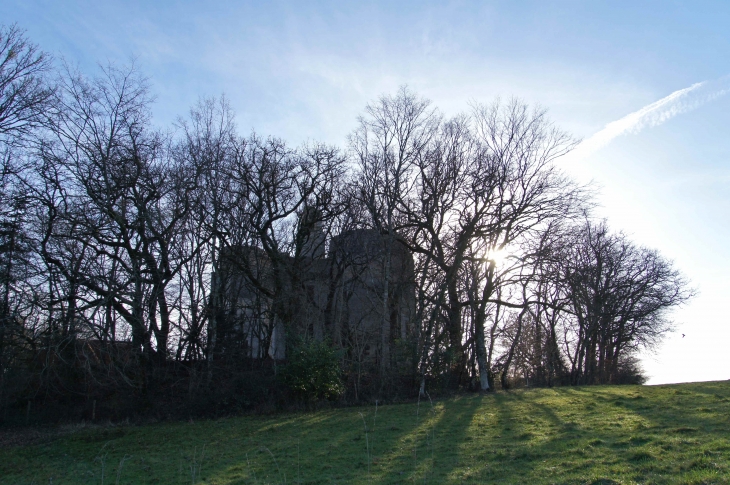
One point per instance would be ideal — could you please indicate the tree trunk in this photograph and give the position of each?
(511, 353)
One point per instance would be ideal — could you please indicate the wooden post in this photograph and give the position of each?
(93, 411)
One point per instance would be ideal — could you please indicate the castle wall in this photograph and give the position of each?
(338, 298)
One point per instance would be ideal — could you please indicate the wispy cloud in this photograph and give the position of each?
(656, 113)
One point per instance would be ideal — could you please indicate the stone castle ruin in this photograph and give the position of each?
(355, 291)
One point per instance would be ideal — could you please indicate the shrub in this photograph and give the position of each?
(629, 371)
(312, 371)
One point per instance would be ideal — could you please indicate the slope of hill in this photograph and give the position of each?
(596, 435)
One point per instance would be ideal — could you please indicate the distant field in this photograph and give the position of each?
(592, 435)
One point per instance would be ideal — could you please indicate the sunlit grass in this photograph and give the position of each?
(598, 435)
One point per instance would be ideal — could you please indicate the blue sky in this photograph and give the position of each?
(305, 70)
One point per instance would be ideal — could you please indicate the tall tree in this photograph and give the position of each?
(130, 198)
(209, 142)
(620, 295)
(487, 186)
(24, 91)
(391, 137)
(24, 95)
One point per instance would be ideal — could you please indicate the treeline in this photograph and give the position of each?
(113, 232)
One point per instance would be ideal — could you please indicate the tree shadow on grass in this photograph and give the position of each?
(566, 435)
(446, 450)
(611, 433)
(401, 443)
(549, 443)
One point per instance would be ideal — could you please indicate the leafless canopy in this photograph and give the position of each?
(24, 92)
(437, 251)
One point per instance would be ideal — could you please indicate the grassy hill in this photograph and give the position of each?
(595, 435)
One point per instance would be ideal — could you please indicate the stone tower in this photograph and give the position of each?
(312, 234)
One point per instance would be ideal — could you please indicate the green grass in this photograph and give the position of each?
(592, 435)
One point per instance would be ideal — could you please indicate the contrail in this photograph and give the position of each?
(656, 113)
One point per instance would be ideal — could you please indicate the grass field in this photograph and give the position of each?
(593, 435)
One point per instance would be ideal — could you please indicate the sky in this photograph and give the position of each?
(645, 85)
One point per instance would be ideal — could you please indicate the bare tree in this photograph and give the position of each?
(130, 199)
(392, 136)
(488, 186)
(620, 296)
(282, 201)
(24, 92)
(209, 142)
(16, 264)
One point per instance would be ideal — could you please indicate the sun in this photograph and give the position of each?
(499, 256)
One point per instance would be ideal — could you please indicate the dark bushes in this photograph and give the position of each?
(313, 371)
